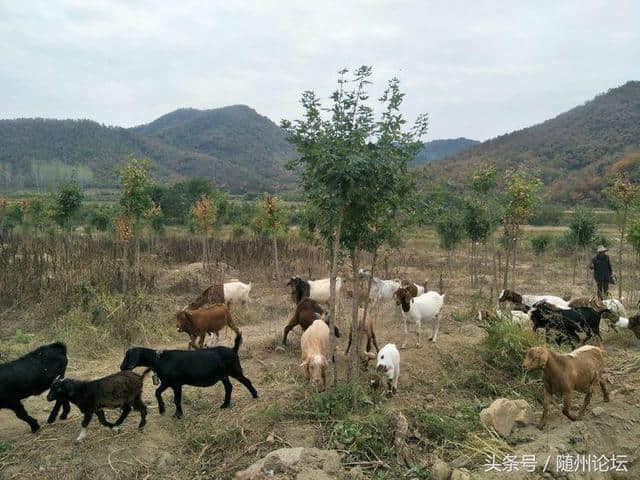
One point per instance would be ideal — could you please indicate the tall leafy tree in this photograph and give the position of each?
(583, 226)
(135, 199)
(343, 151)
(521, 198)
(67, 203)
(623, 194)
(271, 221)
(204, 213)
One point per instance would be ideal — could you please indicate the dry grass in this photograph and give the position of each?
(98, 322)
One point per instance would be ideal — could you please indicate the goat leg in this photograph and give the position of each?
(22, 414)
(245, 381)
(546, 402)
(287, 329)
(125, 412)
(85, 424)
(227, 392)
(406, 332)
(103, 420)
(159, 391)
(54, 412)
(566, 406)
(177, 400)
(603, 387)
(139, 405)
(587, 400)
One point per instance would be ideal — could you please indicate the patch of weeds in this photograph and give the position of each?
(20, 336)
(346, 397)
(505, 345)
(439, 427)
(5, 447)
(423, 473)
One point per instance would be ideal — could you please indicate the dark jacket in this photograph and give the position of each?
(601, 266)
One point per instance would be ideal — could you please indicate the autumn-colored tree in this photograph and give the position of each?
(521, 197)
(622, 195)
(271, 222)
(203, 213)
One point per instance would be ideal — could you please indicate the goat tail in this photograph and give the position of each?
(237, 342)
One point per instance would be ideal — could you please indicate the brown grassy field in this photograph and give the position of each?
(73, 295)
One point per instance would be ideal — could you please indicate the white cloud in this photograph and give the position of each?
(479, 68)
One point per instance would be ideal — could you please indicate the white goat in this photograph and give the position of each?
(530, 300)
(237, 292)
(387, 367)
(516, 316)
(425, 307)
(381, 290)
(319, 289)
(314, 344)
(615, 306)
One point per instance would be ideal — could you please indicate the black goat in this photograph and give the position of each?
(567, 322)
(593, 317)
(299, 289)
(30, 375)
(119, 390)
(200, 368)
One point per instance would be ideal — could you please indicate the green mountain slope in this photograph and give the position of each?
(438, 149)
(575, 151)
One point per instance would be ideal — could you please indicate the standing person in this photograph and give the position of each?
(602, 272)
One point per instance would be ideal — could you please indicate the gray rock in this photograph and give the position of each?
(503, 414)
(460, 475)
(306, 463)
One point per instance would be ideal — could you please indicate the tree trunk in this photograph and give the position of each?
(275, 256)
(356, 329)
(137, 260)
(332, 297)
(507, 254)
(620, 268)
(513, 262)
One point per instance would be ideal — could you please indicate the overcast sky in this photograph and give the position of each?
(479, 68)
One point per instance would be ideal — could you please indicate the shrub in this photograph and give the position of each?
(506, 344)
(540, 243)
(547, 214)
(601, 240)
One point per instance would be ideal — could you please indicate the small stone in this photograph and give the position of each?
(461, 461)
(271, 438)
(503, 414)
(598, 411)
(440, 470)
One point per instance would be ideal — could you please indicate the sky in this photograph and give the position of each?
(478, 68)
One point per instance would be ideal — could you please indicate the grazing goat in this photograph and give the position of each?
(315, 349)
(367, 335)
(563, 374)
(567, 322)
(200, 368)
(413, 288)
(307, 311)
(632, 323)
(530, 300)
(212, 295)
(425, 307)
(387, 368)
(120, 390)
(237, 292)
(515, 316)
(199, 323)
(317, 289)
(30, 375)
(615, 306)
(381, 290)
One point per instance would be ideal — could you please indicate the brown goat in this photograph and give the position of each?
(199, 323)
(212, 295)
(367, 335)
(307, 311)
(579, 370)
(588, 302)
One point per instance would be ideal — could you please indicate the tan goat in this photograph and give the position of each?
(580, 370)
(367, 335)
(315, 349)
(199, 323)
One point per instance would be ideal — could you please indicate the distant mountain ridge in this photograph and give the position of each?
(575, 151)
(240, 149)
(438, 149)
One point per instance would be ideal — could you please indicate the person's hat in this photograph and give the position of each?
(602, 248)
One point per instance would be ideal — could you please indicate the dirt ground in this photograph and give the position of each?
(189, 448)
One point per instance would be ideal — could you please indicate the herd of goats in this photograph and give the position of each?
(44, 368)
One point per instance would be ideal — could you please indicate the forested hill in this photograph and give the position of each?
(237, 147)
(575, 151)
(437, 149)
